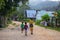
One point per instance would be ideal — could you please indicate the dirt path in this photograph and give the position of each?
(40, 33)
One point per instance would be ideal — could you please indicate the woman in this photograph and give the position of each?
(31, 26)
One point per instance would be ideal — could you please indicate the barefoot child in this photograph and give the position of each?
(25, 27)
(22, 27)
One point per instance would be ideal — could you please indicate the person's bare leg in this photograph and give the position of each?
(31, 32)
(22, 31)
(25, 32)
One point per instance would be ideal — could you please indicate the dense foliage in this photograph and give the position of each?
(45, 17)
(22, 11)
(58, 16)
(7, 8)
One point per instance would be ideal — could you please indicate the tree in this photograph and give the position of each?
(6, 7)
(45, 17)
(58, 13)
(22, 10)
(58, 17)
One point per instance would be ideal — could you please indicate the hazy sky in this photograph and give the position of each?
(43, 3)
(41, 0)
(38, 1)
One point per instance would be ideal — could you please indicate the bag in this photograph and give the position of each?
(25, 27)
(31, 25)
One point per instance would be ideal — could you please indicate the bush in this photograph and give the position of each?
(26, 20)
(13, 23)
(37, 22)
(45, 17)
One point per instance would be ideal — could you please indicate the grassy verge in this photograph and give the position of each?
(49, 27)
(53, 28)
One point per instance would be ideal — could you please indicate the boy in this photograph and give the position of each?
(25, 27)
(22, 27)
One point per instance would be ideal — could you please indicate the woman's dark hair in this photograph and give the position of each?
(31, 18)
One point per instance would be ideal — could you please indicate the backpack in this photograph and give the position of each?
(31, 25)
(26, 26)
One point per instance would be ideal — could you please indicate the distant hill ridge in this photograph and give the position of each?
(46, 5)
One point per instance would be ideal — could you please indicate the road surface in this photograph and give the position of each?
(40, 33)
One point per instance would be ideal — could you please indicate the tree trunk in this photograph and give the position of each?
(3, 21)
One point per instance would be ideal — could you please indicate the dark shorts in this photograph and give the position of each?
(22, 29)
(25, 28)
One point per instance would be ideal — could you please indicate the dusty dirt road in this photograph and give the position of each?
(40, 33)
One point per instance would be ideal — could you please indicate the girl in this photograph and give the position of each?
(25, 27)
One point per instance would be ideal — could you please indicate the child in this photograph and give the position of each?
(25, 27)
(22, 27)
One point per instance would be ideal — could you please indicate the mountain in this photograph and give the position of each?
(45, 5)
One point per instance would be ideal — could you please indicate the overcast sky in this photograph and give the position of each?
(38, 1)
(39, 4)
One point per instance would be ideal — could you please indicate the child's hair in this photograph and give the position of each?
(25, 22)
(22, 22)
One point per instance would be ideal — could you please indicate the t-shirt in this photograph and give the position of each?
(22, 25)
(25, 27)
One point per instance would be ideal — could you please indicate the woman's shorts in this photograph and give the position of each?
(31, 28)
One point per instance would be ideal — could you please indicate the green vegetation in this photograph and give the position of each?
(21, 12)
(26, 20)
(38, 22)
(7, 9)
(53, 28)
(45, 17)
(58, 16)
(47, 27)
(13, 23)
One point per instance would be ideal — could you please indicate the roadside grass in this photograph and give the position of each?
(53, 28)
(49, 27)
